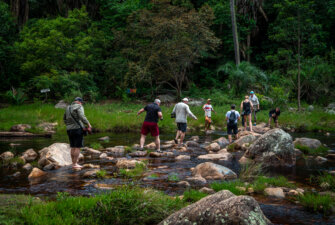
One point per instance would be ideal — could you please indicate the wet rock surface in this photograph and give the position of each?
(213, 171)
(57, 153)
(307, 142)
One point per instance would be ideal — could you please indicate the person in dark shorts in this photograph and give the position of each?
(74, 119)
(232, 117)
(274, 114)
(150, 124)
(246, 108)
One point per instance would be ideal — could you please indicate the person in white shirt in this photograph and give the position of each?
(254, 100)
(182, 110)
(232, 117)
(208, 108)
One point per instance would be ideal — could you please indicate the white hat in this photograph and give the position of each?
(185, 99)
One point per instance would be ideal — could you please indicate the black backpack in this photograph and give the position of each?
(232, 118)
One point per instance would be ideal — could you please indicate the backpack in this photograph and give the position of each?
(232, 118)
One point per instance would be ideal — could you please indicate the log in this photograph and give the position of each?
(23, 134)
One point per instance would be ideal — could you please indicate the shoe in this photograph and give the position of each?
(254, 124)
(159, 151)
(141, 149)
(176, 141)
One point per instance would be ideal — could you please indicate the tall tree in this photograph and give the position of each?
(234, 31)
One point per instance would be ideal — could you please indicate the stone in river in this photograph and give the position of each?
(36, 173)
(57, 153)
(213, 171)
(275, 192)
(6, 156)
(29, 155)
(183, 157)
(308, 142)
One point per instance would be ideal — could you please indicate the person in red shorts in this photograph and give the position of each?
(150, 125)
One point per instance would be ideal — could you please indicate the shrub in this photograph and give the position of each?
(326, 180)
(15, 96)
(193, 195)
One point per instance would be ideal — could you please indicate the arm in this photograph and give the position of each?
(241, 106)
(64, 117)
(203, 108)
(174, 109)
(252, 106)
(160, 115)
(82, 117)
(190, 113)
(141, 110)
(257, 102)
(213, 110)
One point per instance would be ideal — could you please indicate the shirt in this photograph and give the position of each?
(152, 113)
(77, 111)
(182, 110)
(254, 100)
(236, 113)
(208, 110)
(273, 111)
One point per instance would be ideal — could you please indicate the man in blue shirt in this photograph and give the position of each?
(232, 117)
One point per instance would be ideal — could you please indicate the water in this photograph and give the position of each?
(64, 179)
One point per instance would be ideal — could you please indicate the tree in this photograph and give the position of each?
(295, 30)
(234, 31)
(162, 44)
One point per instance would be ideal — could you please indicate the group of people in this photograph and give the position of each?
(77, 124)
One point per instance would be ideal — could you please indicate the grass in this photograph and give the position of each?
(16, 160)
(317, 203)
(96, 145)
(124, 205)
(173, 177)
(232, 186)
(152, 176)
(137, 172)
(101, 174)
(193, 195)
(251, 170)
(322, 150)
(325, 180)
(262, 182)
(128, 149)
(121, 117)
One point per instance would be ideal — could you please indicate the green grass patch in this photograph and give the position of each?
(173, 177)
(317, 203)
(16, 160)
(101, 174)
(193, 195)
(96, 145)
(324, 180)
(252, 170)
(262, 182)
(231, 186)
(122, 206)
(137, 172)
(322, 150)
(152, 176)
(128, 149)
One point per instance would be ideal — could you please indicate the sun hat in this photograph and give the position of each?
(79, 99)
(185, 99)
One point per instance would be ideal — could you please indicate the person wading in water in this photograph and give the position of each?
(246, 108)
(208, 108)
(74, 119)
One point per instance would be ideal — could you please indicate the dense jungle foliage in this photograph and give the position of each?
(100, 48)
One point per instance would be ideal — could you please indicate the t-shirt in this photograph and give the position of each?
(236, 113)
(208, 110)
(152, 112)
(254, 100)
(273, 111)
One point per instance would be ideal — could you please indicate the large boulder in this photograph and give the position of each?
(212, 171)
(214, 147)
(222, 141)
(274, 148)
(48, 127)
(127, 163)
(166, 98)
(29, 155)
(58, 154)
(220, 208)
(261, 128)
(20, 127)
(6, 156)
(248, 139)
(307, 142)
(219, 156)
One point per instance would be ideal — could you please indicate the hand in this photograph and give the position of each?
(89, 129)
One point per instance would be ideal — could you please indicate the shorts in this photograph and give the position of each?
(274, 118)
(208, 119)
(232, 129)
(150, 127)
(182, 127)
(76, 138)
(246, 113)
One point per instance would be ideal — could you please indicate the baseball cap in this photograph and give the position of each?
(209, 100)
(252, 92)
(79, 99)
(185, 99)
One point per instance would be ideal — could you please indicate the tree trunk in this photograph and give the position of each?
(20, 11)
(299, 64)
(248, 47)
(234, 30)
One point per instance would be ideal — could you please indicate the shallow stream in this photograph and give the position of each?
(65, 179)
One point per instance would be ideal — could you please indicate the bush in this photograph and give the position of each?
(325, 180)
(15, 96)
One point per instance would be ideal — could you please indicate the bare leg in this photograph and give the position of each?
(269, 123)
(276, 123)
(182, 136)
(229, 138)
(75, 156)
(250, 123)
(178, 134)
(142, 140)
(158, 143)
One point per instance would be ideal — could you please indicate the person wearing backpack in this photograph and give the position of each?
(232, 117)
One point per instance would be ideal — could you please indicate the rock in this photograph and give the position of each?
(320, 159)
(167, 146)
(183, 157)
(332, 172)
(151, 146)
(117, 151)
(61, 105)
(213, 171)
(325, 185)
(155, 154)
(106, 138)
(220, 156)
(300, 190)
(183, 184)
(29, 155)
(138, 154)
(293, 193)
(244, 160)
(196, 102)
(6, 156)
(220, 208)
(310, 108)
(181, 149)
(330, 111)
(331, 105)
(166, 98)
(20, 127)
(307, 142)
(222, 141)
(275, 192)
(103, 156)
(92, 152)
(327, 134)
(35, 173)
(57, 153)
(331, 156)
(168, 154)
(90, 166)
(127, 163)
(213, 147)
(196, 181)
(248, 139)
(27, 167)
(207, 190)
(192, 144)
(195, 138)
(16, 174)
(261, 128)
(48, 127)
(90, 173)
(49, 167)
(298, 153)
(274, 148)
